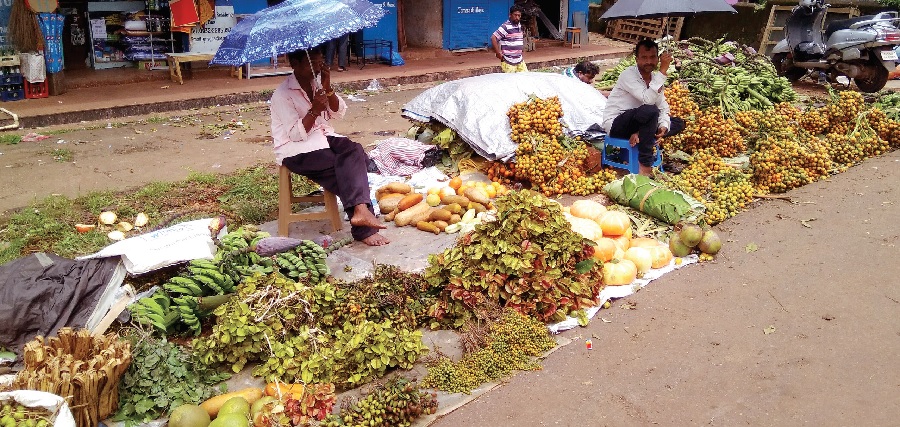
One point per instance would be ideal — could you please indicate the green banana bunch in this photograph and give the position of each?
(155, 311)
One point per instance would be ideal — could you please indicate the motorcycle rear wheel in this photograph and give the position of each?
(876, 81)
(789, 71)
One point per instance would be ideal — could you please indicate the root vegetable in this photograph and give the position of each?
(427, 226)
(477, 194)
(455, 218)
(441, 215)
(398, 187)
(460, 200)
(390, 201)
(404, 218)
(390, 216)
(454, 208)
(442, 225)
(409, 201)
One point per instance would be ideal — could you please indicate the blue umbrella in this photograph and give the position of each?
(293, 25)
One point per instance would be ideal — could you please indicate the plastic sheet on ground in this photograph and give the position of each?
(41, 293)
(475, 107)
(611, 292)
(151, 251)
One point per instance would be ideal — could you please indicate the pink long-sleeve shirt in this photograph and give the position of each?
(289, 105)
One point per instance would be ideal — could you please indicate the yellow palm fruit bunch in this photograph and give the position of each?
(785, 160)
(537, 115)
(680, 103)
(708, 129)
(731, 192)
(696, 179)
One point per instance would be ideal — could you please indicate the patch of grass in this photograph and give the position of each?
(62, 155)
(266, 92)
(10, 139)
(157, 119)
(58, 131)
(247, 196)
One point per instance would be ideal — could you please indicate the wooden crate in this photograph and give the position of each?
(634, 30)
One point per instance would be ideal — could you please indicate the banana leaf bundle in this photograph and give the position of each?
(652, 198)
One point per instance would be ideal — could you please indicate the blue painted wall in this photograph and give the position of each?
(387, 26)
(578, 6)
(469, 23)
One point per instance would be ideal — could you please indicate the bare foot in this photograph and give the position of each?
(376, 240)
(363, 217)
(645, 170)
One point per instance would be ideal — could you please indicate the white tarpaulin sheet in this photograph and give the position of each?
(475, 107)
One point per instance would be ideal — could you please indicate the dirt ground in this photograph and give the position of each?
(803, 330)
(128, 153)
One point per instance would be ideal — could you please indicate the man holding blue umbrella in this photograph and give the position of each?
(307, 144)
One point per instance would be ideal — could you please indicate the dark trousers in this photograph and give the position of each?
(340, 169)
(643, 120)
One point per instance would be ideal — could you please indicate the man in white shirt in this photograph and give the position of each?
(637, 109)
(306, 143)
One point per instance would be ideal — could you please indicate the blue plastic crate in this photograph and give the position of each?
(629, 155)
(14, 95)
(11, 79)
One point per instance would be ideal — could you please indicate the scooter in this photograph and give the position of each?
(860, 48)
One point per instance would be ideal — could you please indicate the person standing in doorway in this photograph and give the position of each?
(340, 44)
(509, 42)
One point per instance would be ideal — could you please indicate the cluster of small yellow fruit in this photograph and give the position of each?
(703, 129)
(785, 160)
(731, 192)
(694, 180)
(550, 162)
(535, 116)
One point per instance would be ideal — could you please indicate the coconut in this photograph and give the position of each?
(141, 220)
(710, 243)
(231, 420)
(235, 405)
(124, 226)
(116, 235)
(690, 235)
(107, 218)
(189, 416)
(678, 248)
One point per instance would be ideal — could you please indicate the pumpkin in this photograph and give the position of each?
(585, 227)
(641, 259)
(619, 272)
(587, 209)
(614, 223)
(623, 241)
(605, 249)
(644, 242)
(661, 255)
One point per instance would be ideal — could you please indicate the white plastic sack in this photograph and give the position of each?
(33, 68)
(475, 107)
(49, 401)
(161, 248)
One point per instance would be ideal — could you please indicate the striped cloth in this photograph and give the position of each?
(399, 156)
(512, 41)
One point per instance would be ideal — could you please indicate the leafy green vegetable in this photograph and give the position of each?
(162, 377)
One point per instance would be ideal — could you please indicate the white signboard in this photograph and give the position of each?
(207, 38)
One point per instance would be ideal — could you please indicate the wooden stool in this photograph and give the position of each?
(576, 33)
(286, 199)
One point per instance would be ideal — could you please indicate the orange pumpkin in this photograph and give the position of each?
(661, 255)
(623, 241)
(614, 223)
(605, 249)
(619, 272)
(644, 242)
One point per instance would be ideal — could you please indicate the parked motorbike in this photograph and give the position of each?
(860, 48)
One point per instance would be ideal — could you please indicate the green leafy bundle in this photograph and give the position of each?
(310, 332)
(162, 377)
(528, 259)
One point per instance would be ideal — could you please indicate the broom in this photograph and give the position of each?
(24, 32)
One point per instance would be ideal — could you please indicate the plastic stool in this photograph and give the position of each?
(632, 165)
(286, 199)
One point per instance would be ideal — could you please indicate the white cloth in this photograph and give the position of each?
(631, 91)
(399, 156)
(289, 105)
